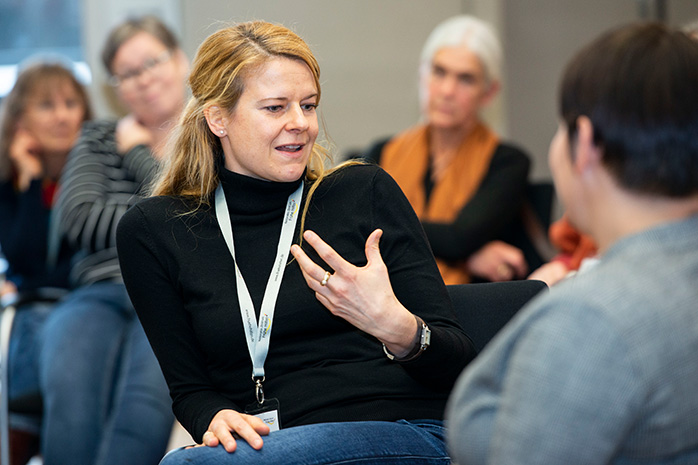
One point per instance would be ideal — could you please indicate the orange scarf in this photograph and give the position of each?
(574, 246)
(406, 158)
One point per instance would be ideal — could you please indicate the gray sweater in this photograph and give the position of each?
(603, 369)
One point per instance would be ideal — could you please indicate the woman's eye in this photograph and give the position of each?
(438, 72)
(72, 103)
(273, 108)
(467, 79)
(309, 106)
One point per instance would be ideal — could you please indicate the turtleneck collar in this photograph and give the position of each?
(246, 195)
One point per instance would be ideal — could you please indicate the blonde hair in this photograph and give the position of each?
(220, 67)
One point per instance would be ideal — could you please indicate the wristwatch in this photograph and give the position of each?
(422, 343)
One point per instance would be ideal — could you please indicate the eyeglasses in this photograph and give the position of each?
(130, 76)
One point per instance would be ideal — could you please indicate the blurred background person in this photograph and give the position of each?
(40, 121)
(101, 382)
(465, 185)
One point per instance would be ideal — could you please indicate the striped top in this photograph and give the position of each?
(98, 185)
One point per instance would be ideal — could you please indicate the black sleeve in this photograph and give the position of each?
(495, 205)
(418, 285)
(161, 310)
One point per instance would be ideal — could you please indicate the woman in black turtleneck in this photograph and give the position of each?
(363, 346)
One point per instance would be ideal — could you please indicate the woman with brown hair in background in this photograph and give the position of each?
(39, 124)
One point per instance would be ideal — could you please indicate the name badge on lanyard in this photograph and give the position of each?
(258, 333)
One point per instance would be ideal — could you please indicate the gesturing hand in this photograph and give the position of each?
(361, 295)
(227, 422)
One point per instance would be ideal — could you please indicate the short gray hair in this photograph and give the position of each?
(467, 31)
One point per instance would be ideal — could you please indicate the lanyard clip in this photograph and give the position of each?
(259, 390)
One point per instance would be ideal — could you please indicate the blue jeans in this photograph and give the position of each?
(24, 372)
(23, 360)
(357, 443)
(105, 399)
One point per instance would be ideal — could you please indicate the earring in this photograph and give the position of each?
(222, 132)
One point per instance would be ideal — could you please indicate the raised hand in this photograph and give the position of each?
(361, 295)
(25, 154)
(130, 133)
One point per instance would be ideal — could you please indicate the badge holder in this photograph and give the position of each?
(266, 410)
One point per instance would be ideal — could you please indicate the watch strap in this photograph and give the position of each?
(423, 341)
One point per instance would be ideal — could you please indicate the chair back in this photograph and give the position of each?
(484, 308)
(32, 403)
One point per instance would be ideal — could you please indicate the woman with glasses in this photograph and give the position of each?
(105, 397)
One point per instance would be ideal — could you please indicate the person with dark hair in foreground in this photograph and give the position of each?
(603, 368)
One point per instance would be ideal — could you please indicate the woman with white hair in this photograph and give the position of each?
(464, 183)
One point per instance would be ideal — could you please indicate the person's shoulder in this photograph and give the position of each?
(600, 295)
(94, 135)
(355, 179)
(168, 206)
(353, 171)
(509, 151)
(512, 156)
(98, 126)
(165, 219)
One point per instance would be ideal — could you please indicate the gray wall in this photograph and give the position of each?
(368, 52)
(539, 37)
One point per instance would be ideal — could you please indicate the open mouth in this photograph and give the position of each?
(290, 148)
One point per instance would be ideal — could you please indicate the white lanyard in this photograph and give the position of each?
(258, 334)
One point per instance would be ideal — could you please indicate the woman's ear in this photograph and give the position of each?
(490, 93)
(216, 120)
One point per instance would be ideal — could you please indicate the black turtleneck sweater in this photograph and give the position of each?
(180, 276)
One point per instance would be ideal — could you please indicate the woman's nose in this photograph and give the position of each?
(61, 112)
(447, 85)
(298, 120)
